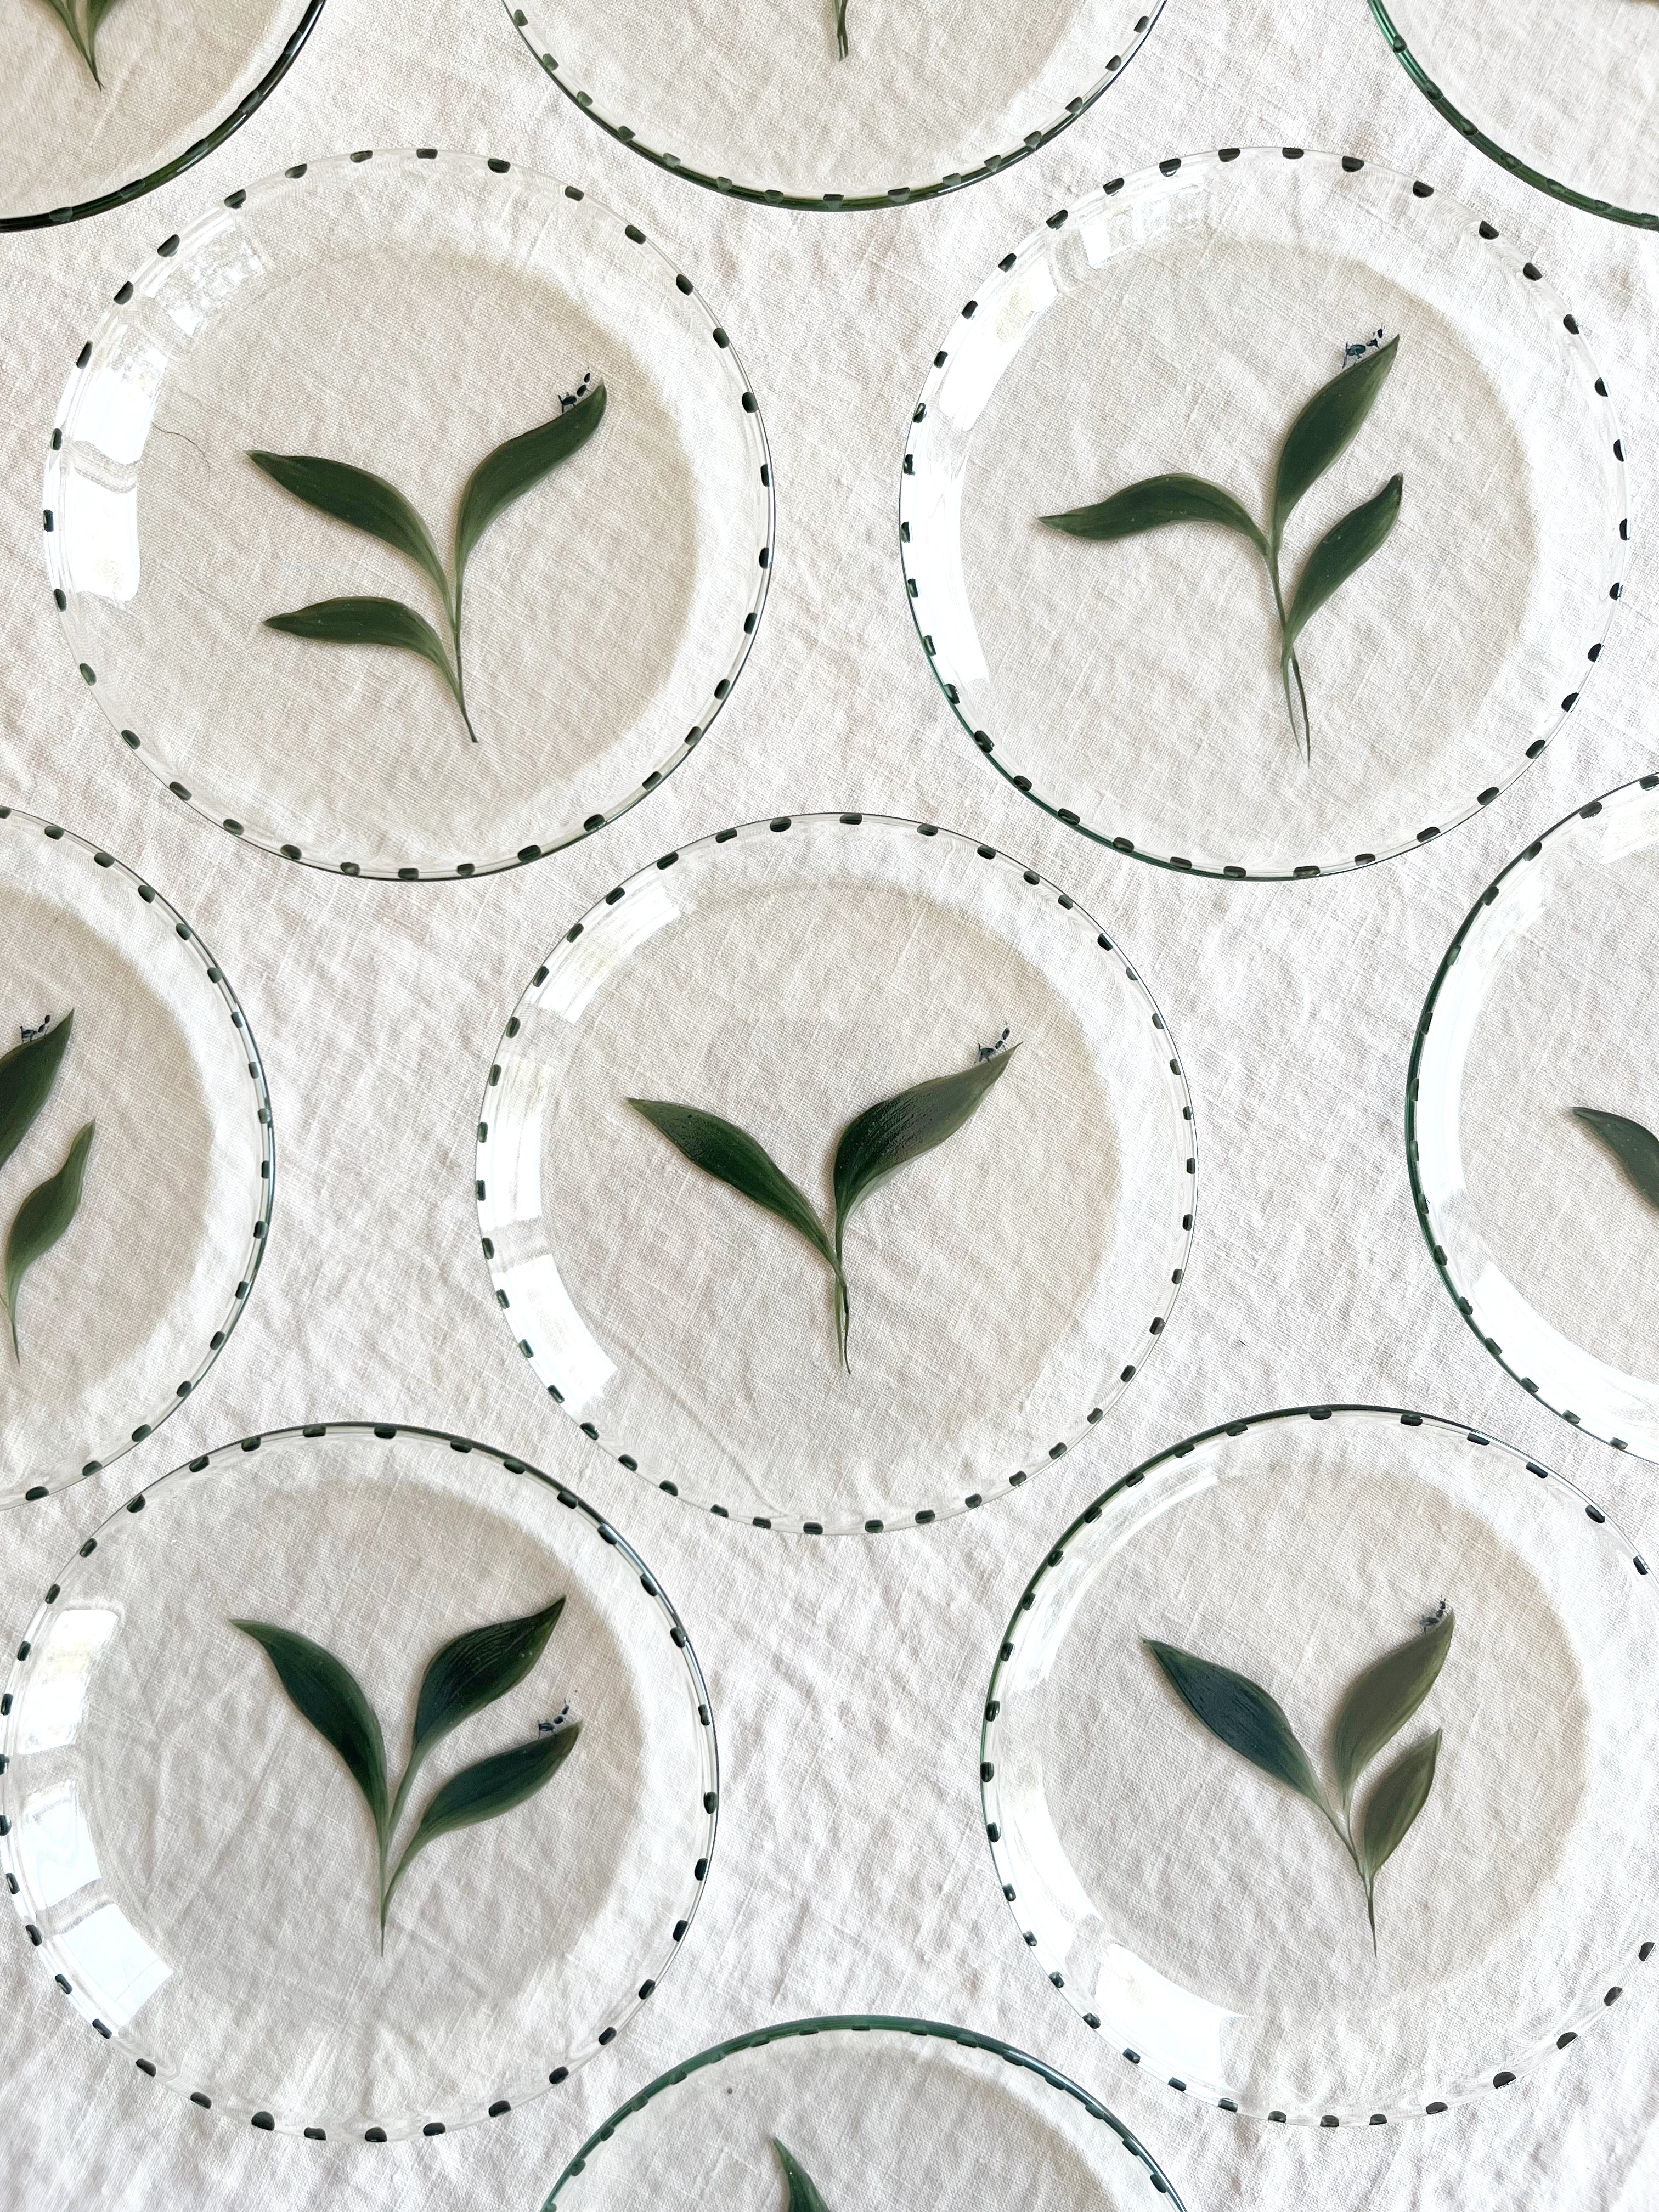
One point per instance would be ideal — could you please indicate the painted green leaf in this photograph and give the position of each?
(66, 14)
(42, 1218)
(1153, 504)
(367, 621)
(471, 1672)
(1240, 1711)
(483, 1791)
(804, 2196)
(1384, 1699)
(1635, 1149)
(514, 468)
(96, 11)
(1343, 548)
(840, 28)
(26, 1075)
(355, 495)
(328, 1694)
(1325, 429)
(1391, 1808)
(721, 1149)
(892, 1133)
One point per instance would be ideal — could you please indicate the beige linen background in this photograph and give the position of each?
(851, 1871)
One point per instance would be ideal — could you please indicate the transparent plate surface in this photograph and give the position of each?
(120, 1318)
(1541, 1006)
(1004, 1287)
(194, 1864)
(408, 313)
(882, 2115)
(759, 104)
(1201, 1915)
(1568, 103)
(165, 93)
(1176, 324)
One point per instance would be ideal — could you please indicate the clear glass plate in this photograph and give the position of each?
(71, 145)
(1540, 1006)
(758, 104)
(1200, 1914)
(120, 1320)
(1569, 104)
(194, 1865)
(1177, 323)
(1005, 1288)
(883, 2115)
(408, 313)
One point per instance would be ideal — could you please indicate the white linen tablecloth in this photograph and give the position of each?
(852, 1872)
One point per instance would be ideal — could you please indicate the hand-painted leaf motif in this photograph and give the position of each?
(471, 1672)
(1154, 503)
(66, 14)
(840, 28)
(26, 1075)
(516, 467)
(325, 1690)
(1391, 1808)
(1635, 1149)
(1240, 1711)
(1343, 549)
(722, 1149)
(1384, 1699)
(1325, 429)
(357, 495)
(42, 1218)
(483, 1791)
(804, 2195)
(892, 1133)
(368, 622)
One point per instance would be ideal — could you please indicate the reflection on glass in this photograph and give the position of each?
(112, 1965)
(55, 1856)
(56, 1691)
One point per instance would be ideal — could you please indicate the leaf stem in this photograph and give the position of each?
(840, 28)
(453, 611)
(1295, 704)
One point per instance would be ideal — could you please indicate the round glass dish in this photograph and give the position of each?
(761, 105)
(1200, 1914)
(191, 1856)
(1178, 323)
(74, 145)
(1003, 1289)
(1544, 1240)
(121, 1316)
(1568, 104)
(882, 2115)
(409, 314)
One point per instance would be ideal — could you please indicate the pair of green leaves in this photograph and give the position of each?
(370, 504)
(83, 34)
(1635, 1149)
(1377, 1707)
(885, 1138)
(1319, 435)
(804, 2195)
(471, 1672)
(26, 1075)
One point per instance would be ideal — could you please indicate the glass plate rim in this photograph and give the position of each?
(122, 2039)
(337, 167)
(1609, 209)
(890, 2024)
(834, 203)
(254, 1257)
(1422, 1206)
(1152, 1334)
(990, 1803)
(1034, 243)
(78, 211)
